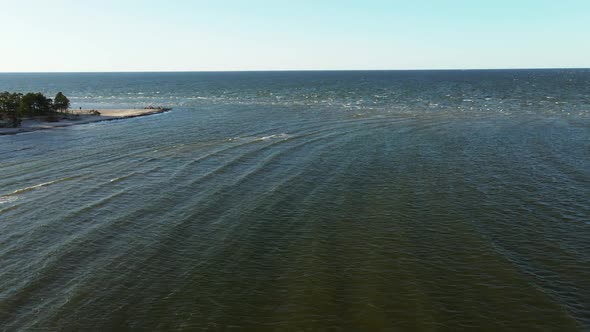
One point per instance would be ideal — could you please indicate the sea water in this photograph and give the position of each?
(395, 200)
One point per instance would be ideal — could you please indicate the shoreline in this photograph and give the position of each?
(84, 117)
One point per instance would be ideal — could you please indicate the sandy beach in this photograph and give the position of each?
(83, 116)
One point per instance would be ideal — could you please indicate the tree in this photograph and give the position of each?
(61, 103)
(34, 104)
(9, 103)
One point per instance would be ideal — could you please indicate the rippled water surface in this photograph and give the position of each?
(445, 200)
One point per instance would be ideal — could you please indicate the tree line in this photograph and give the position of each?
(14, 106)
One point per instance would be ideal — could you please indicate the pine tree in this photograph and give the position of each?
(61, 103)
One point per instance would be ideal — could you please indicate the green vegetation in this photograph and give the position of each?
(15, 106)
(35, 104)
(61, 103)
(9, 109)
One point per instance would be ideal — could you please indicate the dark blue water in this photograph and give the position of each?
(410, 200)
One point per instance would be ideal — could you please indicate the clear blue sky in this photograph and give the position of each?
(153, 35)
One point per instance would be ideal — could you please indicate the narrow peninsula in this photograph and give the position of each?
(21, 113)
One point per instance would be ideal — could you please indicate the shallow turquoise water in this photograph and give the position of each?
(443, 200)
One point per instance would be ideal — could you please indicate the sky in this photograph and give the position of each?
(194, 35)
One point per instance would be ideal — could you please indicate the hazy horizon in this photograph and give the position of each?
(291, 70)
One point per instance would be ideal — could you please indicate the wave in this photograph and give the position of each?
(121, 178)
(8, 199)
(278, 136)
(38, 186)
(250, 139)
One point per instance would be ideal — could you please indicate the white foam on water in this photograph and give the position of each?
(38, 186)
(8, 199)
(277, 136)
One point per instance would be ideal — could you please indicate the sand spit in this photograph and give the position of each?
(80, 117)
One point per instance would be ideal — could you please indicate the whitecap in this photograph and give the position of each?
(8, 199)
(276, 136)
(39, 186)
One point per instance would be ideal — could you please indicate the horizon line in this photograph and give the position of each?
(291, 70)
